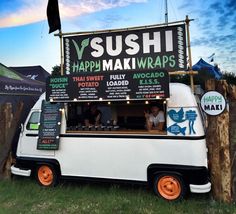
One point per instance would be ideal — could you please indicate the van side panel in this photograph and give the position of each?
(125, 158)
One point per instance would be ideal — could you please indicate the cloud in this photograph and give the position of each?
(214, 40)
(230, 5)
(184, 6)
(109, 20)
(217, 7)
(233, 27)
(35, 11)
(29, 12)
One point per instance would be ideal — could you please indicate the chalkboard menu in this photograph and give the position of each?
(131, 85)
(50, 124)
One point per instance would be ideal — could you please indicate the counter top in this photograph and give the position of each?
(130, 132)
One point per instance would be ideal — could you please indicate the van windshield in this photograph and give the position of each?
(33, 122)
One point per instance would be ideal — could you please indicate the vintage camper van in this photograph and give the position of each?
(172, 161)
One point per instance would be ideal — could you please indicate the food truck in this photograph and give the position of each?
(55, 143)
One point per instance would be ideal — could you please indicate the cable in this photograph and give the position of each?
(173, 8)
(42, 29)
(161, 11)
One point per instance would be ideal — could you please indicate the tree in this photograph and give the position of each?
(230, 77)
(56, 70)
(201, 77)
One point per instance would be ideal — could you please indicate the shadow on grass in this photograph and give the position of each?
(104, 186)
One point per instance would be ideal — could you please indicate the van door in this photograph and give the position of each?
(29, 138)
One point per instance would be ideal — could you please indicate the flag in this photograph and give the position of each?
(53, 15)
(211, 58)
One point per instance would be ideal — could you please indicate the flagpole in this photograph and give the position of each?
(187, 20)
(61, 50)
(166, 13)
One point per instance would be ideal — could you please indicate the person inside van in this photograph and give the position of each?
(156, 119)
(92, 117)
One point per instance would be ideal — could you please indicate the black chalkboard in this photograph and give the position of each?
(131, 85)
(159, 47)
(50, 124)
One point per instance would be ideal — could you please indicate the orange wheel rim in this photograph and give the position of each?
(45, 175)
(169, 187)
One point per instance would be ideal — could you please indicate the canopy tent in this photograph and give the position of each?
(33, 72)
(15, 88)
(13, 83)
(207, 69)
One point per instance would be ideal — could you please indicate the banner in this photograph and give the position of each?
(160, 48)
(132, 85)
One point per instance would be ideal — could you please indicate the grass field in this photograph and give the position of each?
(24, 195)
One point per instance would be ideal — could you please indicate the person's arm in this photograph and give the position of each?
(86, 118)
(160, 126)
(161, 123)
(148, 122)
(97, 119)
(86, 122)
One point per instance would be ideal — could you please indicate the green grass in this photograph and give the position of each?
(24, 195)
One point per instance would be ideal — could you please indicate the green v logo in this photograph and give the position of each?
(79, 50)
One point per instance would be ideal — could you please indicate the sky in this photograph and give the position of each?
(24, 38)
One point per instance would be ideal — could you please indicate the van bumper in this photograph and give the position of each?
(200, 188)
(22, 172)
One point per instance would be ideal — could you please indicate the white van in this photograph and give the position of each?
(173, 161)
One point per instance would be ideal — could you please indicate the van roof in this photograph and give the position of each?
(180, 95)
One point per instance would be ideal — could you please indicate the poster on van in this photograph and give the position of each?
(126, 50)
(50, 124)
(102, 86)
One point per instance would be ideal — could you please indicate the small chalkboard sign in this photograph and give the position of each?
(50, 124)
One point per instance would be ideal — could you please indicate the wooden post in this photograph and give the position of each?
(187, 20)
(232, 125)
(5, 124)
(218, 148)
(8, 126)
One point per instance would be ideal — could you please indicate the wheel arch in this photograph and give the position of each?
(33, 163)
(191, 174)
(52, 162)
(155, 169)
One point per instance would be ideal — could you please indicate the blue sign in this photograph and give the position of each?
(191, 117)
(179, 117)
(176, 129)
